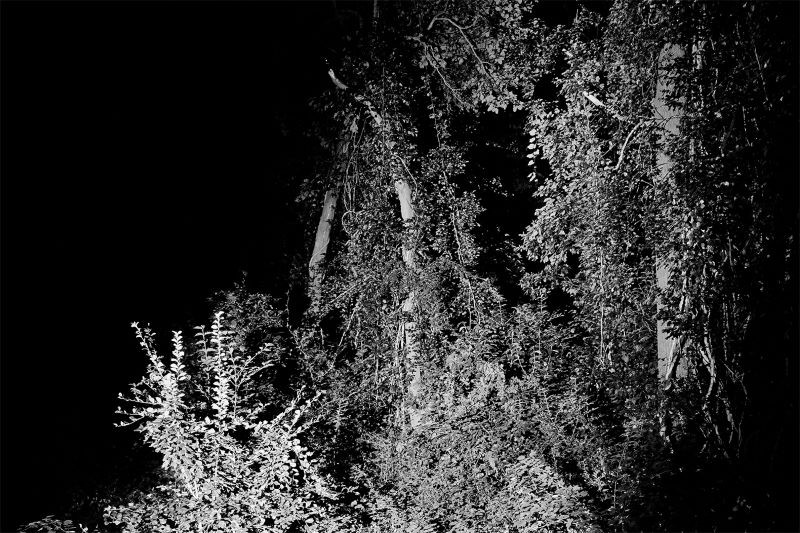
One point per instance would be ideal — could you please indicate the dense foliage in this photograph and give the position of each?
(481, 338)
(231, 466)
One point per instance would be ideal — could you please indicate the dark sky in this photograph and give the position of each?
(142, 157)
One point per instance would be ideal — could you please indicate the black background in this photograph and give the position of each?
(142, 144)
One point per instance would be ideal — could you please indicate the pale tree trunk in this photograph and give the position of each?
(407, 334)
(323, 238)
(670, 363)
(316, 264)
(408, 337)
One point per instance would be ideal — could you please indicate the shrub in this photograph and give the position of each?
(50, 524)
(231, 466)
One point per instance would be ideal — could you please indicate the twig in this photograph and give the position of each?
(405, 166)
(349, 322)
(126, 424)
(599, 103)
(625, 144)
(439, 17)
(481, 62)
(444, 80)
(727, 135)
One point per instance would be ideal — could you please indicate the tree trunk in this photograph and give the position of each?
(670, 364)
(323, 238)
(408, 326)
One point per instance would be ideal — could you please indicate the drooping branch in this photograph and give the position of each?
(462, 30)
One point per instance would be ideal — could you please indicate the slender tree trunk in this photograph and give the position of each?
(321, 242)
(408, 326)
(670, 364)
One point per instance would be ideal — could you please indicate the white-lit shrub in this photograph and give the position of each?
(232, 467)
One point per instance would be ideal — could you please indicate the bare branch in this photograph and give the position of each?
(444, 80)
(481, 62)
(625, 144)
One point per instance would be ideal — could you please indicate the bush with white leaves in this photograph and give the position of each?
(231, 466)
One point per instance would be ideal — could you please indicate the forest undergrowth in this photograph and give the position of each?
(553, 288)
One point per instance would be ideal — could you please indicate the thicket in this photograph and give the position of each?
(477, 343)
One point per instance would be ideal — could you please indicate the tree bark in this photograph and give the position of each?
(408, 326)
(321, 242)
(670, 363)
